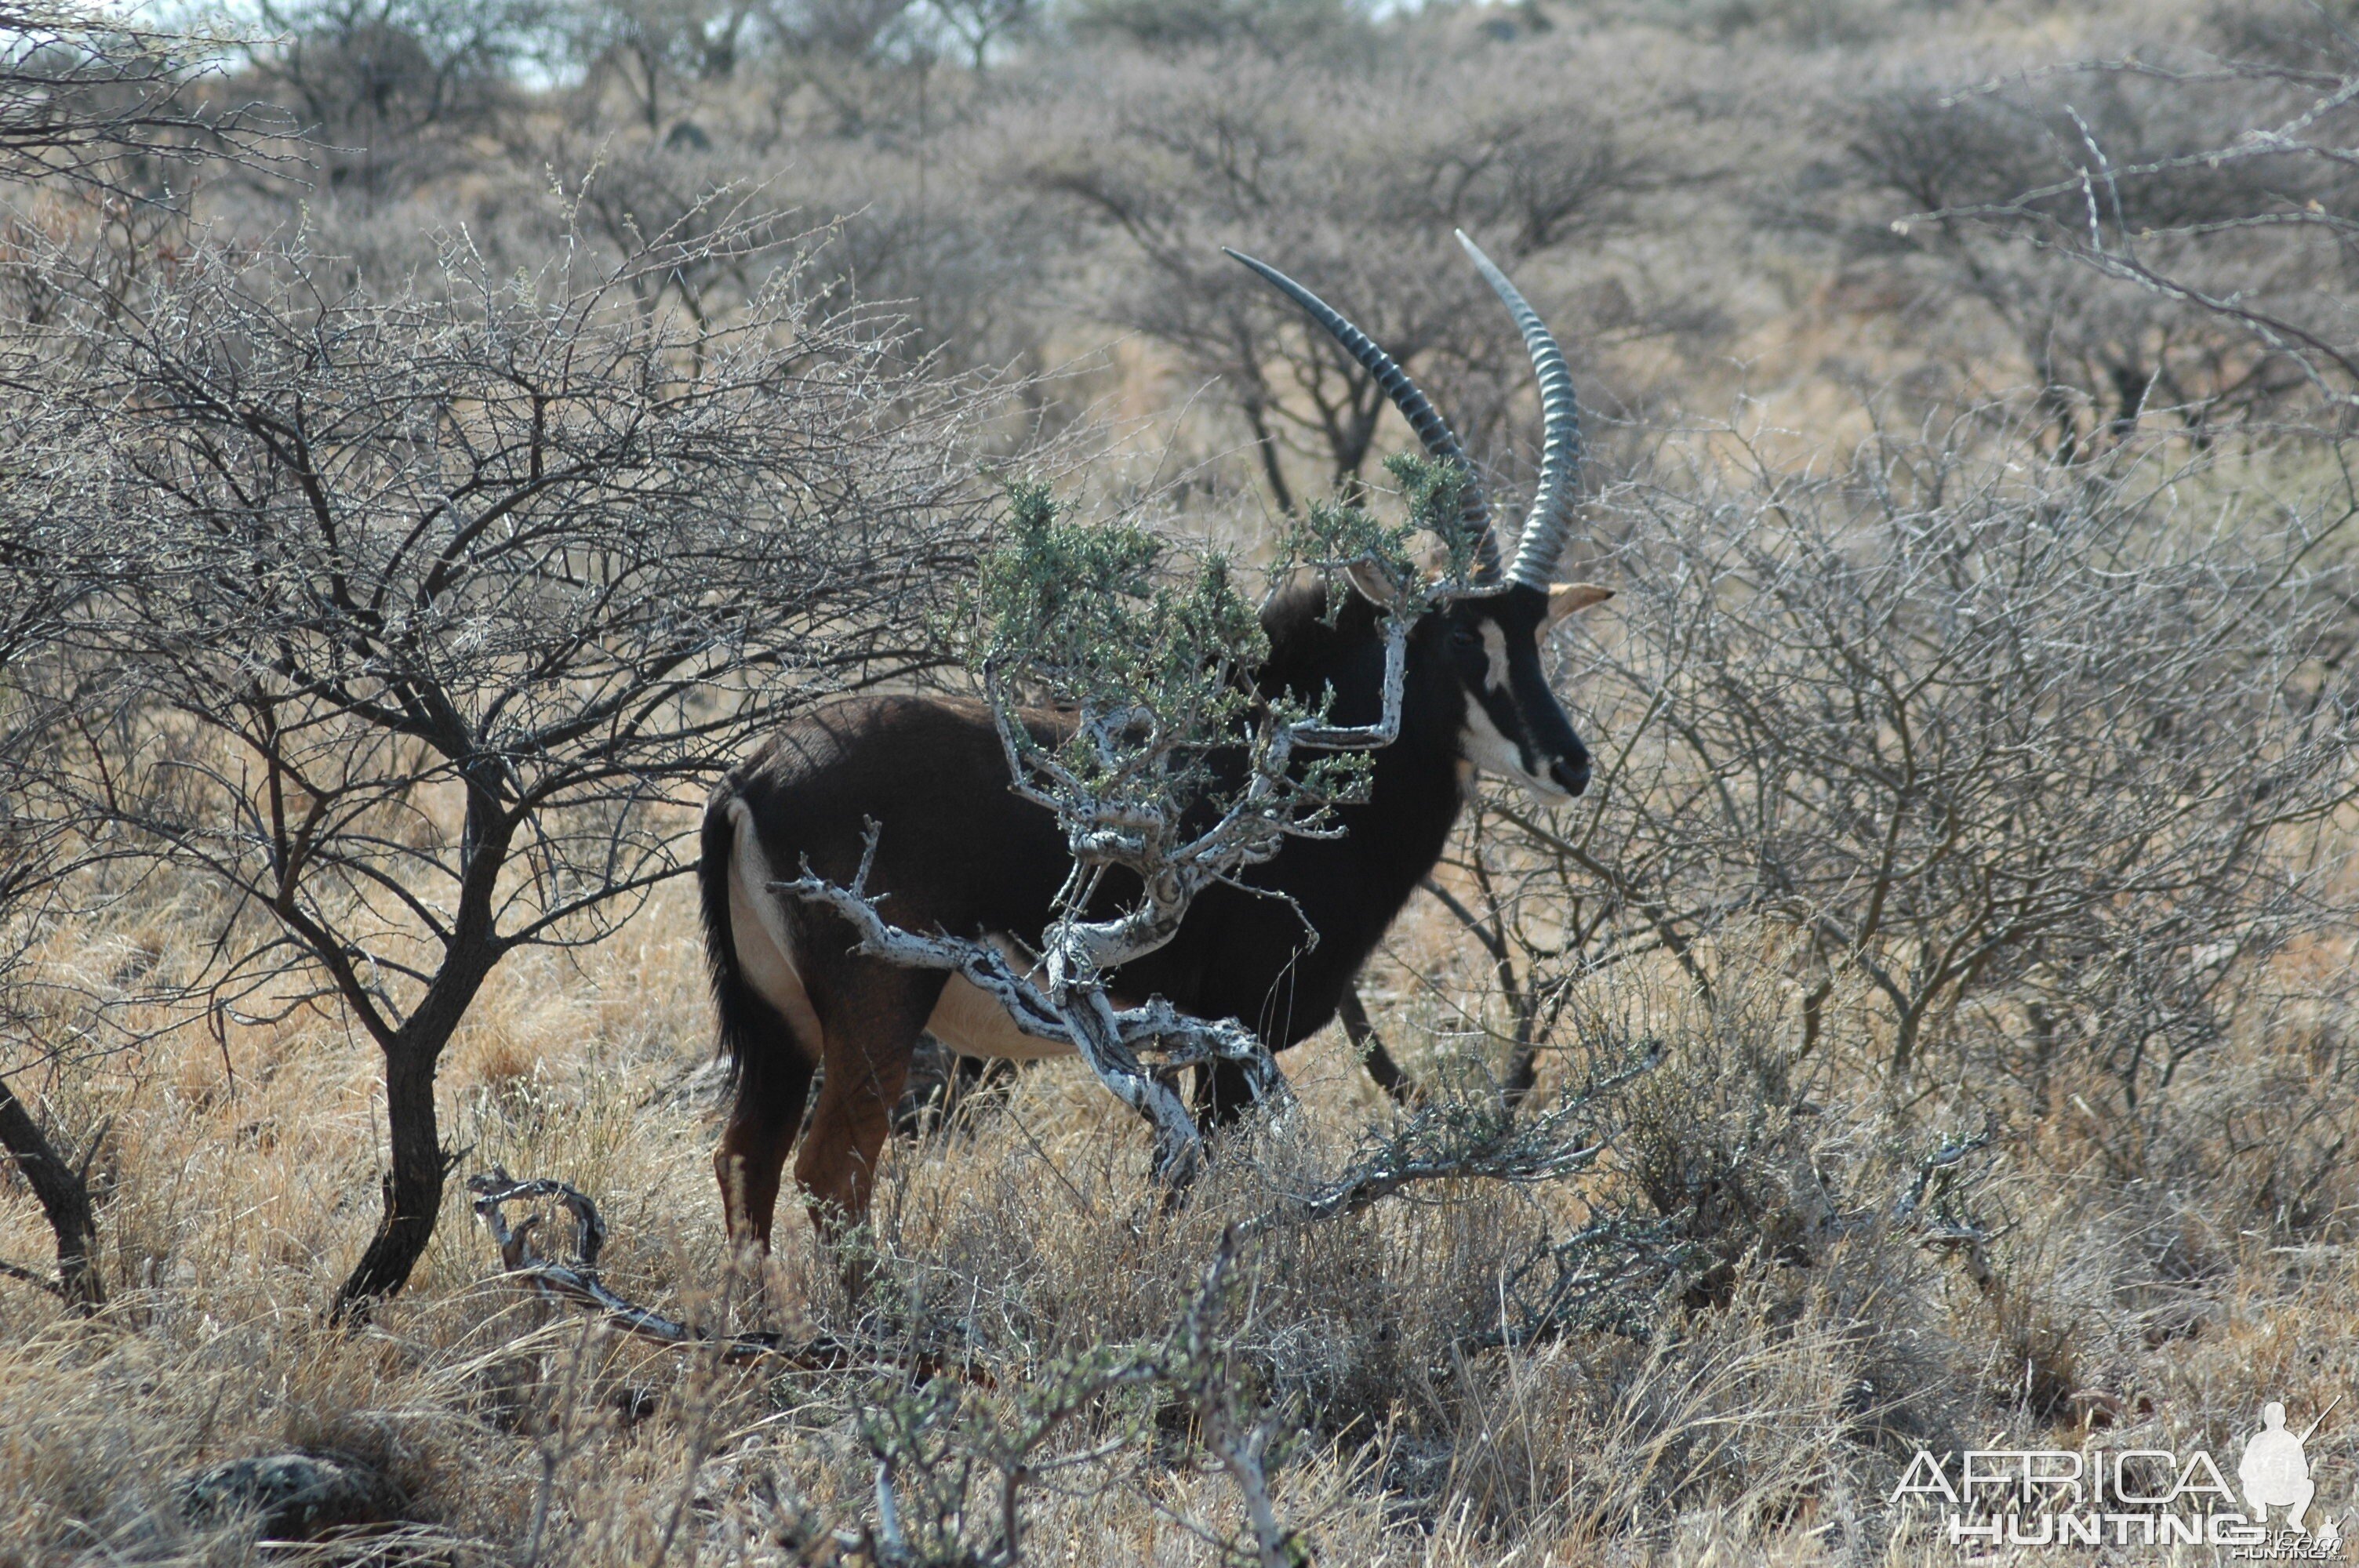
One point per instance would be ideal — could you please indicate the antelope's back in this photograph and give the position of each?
(957, 850)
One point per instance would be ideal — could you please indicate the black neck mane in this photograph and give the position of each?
(1309, 653)
(1392, 839)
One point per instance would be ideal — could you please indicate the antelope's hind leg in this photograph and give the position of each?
(1222, 1094)
(752, 1155)
(872, 1015)
(768, 1027)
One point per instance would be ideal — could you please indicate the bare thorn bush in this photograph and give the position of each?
(2024, 751)
(451, 590)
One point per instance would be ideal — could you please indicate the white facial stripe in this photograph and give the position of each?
(1494, 653)
(1482, 744)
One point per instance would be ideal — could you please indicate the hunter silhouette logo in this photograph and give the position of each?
(2136, 1496)
(2274, 1470)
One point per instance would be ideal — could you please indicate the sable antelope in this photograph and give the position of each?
(959, 853)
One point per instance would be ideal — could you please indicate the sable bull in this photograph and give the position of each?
(960, 852)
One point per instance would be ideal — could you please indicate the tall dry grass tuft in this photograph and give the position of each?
(1761, 1404)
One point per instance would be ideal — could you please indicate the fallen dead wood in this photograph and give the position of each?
(577, 1282)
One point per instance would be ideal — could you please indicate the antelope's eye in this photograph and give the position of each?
(1466, 637)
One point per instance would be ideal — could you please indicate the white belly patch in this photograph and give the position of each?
(970, 1021)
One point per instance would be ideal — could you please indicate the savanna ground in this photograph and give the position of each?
(1902, 511)
(2149, 1291)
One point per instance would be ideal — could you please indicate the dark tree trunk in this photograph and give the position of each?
(1814, 1005)
(1355, 437)
(1523, 1067)
(2043, 1055)
(64, 1193)
(413, 1184)
(1903, 1042)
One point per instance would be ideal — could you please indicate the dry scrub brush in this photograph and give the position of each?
(96, 105)
(1350, 171)
(2042, 771)
(1406, 1417)
(2154, 234)
(93, 99)
(45, 684)
(2053, 753)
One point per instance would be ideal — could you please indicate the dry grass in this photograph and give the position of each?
(2138, 1278)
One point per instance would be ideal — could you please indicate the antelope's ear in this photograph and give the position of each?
(1571, 597)
(1373, 583)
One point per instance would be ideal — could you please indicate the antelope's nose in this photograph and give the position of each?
(1572, 774)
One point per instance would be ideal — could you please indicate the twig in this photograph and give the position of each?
(1457, 1142)
(39, 1281)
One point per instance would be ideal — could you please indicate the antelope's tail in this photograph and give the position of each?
(754, 1037)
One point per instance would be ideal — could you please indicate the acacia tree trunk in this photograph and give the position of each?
(413, 1180)
(418, 1164)
(1903, 1040)
(64, 1195)
(1273, 471)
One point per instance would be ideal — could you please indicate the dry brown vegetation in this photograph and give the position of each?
(1969, 391)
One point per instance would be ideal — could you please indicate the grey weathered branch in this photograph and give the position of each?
(1945, 1159)
(38, 1281)
(1110, 1039)
(1065, 999)
(577, 1281)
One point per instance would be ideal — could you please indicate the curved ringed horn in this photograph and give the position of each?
(1542, 541)
(1440, 441)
